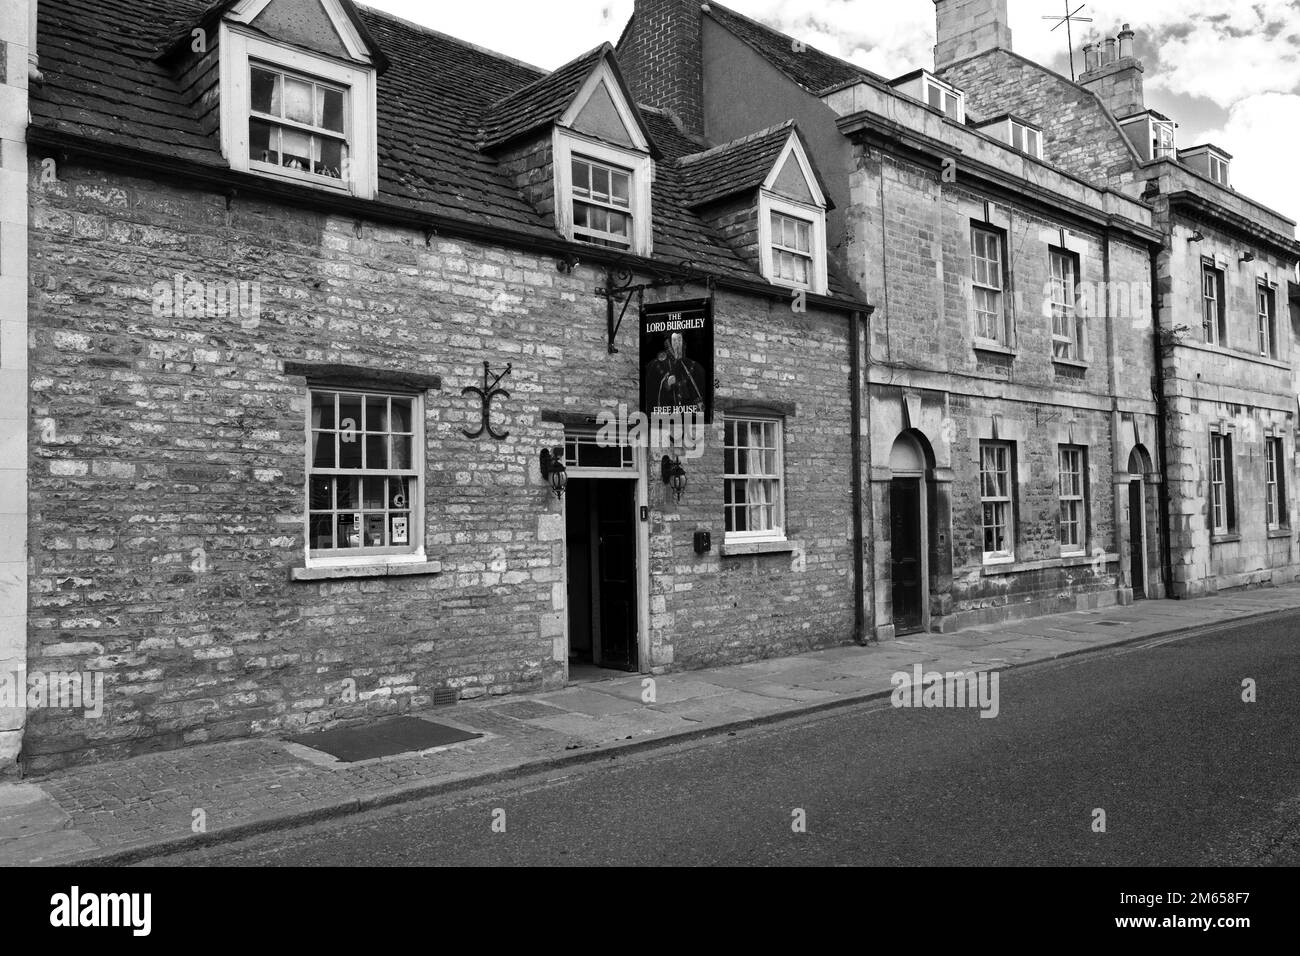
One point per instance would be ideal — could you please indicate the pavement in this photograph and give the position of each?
(124, 811)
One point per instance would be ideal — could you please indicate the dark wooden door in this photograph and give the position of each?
(905, 551)
(616, 560)
(1137, 539)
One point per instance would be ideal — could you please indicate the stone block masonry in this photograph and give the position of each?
(167, 458)
(14, 75)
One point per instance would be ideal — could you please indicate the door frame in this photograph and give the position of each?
(640, 501)
(1137, 524)
(922, 543)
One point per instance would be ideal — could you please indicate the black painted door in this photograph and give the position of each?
(616, 526)
(1137, 539)
(905, 550)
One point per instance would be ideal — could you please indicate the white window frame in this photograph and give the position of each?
(1216, 331)
(1265, 316)
(1160, 132)
(414, 551)
(239, 49)
(1003, 332)
(1073, 496)
(567, 143)
(1222, 519)
(1004, 501)
(946, 93)
(769, 201)
(1026, 139)
(1065, 310)
(1277, 512)
(1218, 168)
(587, 233)
(777, 532)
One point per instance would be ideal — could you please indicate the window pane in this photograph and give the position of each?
(322, 409)
(297, 100)
(265, 89)
(296, 150)
(349, 492)
(376, 451)
(622, 185)
(581, 177)
(599, 183)
(402, 453)
(323, 450)
(263, 142)
(330, 154)
(329, 109)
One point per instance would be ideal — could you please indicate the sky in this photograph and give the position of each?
(1227, 71)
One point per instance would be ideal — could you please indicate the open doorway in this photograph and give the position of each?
(908, 530)
(601, 537)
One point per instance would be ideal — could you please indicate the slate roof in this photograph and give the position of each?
(812, 69)
(540, 103)
(104, 83)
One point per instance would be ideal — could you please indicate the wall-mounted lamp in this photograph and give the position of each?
(1248, 257)
(553, 470)
(1197, 236)
(675, 476)
(567, 264)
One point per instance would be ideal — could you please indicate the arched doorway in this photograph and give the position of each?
(1139, 467)
(907, 533)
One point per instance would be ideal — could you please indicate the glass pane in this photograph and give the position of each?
(297, 100)
(580, 216)
(618, 224)
(599, 183)
(330, 154)
(329, 109)
(322, 410)
(350, 450)
(401, 414)
(263, 142)
(376, 414)
(934, 96)
(348, 491)
(400, 529)
(350, 413)
(399, 498)
(349, 531)
(376, 531)
(321, 532)
(402, 453)
(295, 149)
(581, 176)
(376, 451)
(322, 494)
(322, 455)
(621, 189)
(265, 88)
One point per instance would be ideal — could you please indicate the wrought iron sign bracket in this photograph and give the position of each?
(620, 288)
(489, 391)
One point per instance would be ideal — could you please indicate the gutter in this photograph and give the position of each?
(855, 404)
(1162, 435)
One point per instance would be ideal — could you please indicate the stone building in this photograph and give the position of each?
(1012, 347)
(333, 331)
(1221, 280)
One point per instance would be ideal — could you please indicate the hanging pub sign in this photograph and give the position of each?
(677, 360)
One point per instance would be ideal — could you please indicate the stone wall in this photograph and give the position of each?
(168, 472)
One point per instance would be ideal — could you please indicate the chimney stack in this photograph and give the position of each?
(967, 28)
(662, 58)
(1115, 74)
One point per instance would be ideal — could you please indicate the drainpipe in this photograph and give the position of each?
(855, 404)
(1162, 434)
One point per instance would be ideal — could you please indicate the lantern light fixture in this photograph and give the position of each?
(553, 470)
(674, 476)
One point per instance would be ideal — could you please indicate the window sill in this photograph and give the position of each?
(408, 569)
(1071, 363)
(1233, 538)
(992, 569)
(1280, 533)
(994, 349)
(732, 549)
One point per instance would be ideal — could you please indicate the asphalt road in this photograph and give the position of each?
(1156, 736)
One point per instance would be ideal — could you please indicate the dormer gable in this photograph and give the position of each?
(580, 152)
(765, 195)
(288, 87)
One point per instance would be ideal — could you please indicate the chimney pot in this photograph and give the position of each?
(1126, 42)
(1110, 51)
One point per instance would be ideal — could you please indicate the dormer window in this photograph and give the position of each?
(602, 203)
(295, 114)
(946, 99)
(1163, 144)
(792, 223)
(1218, 170)
(933, 92)
(296, 124)
(1027, 139)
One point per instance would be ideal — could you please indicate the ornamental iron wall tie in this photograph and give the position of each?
(488, 392)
